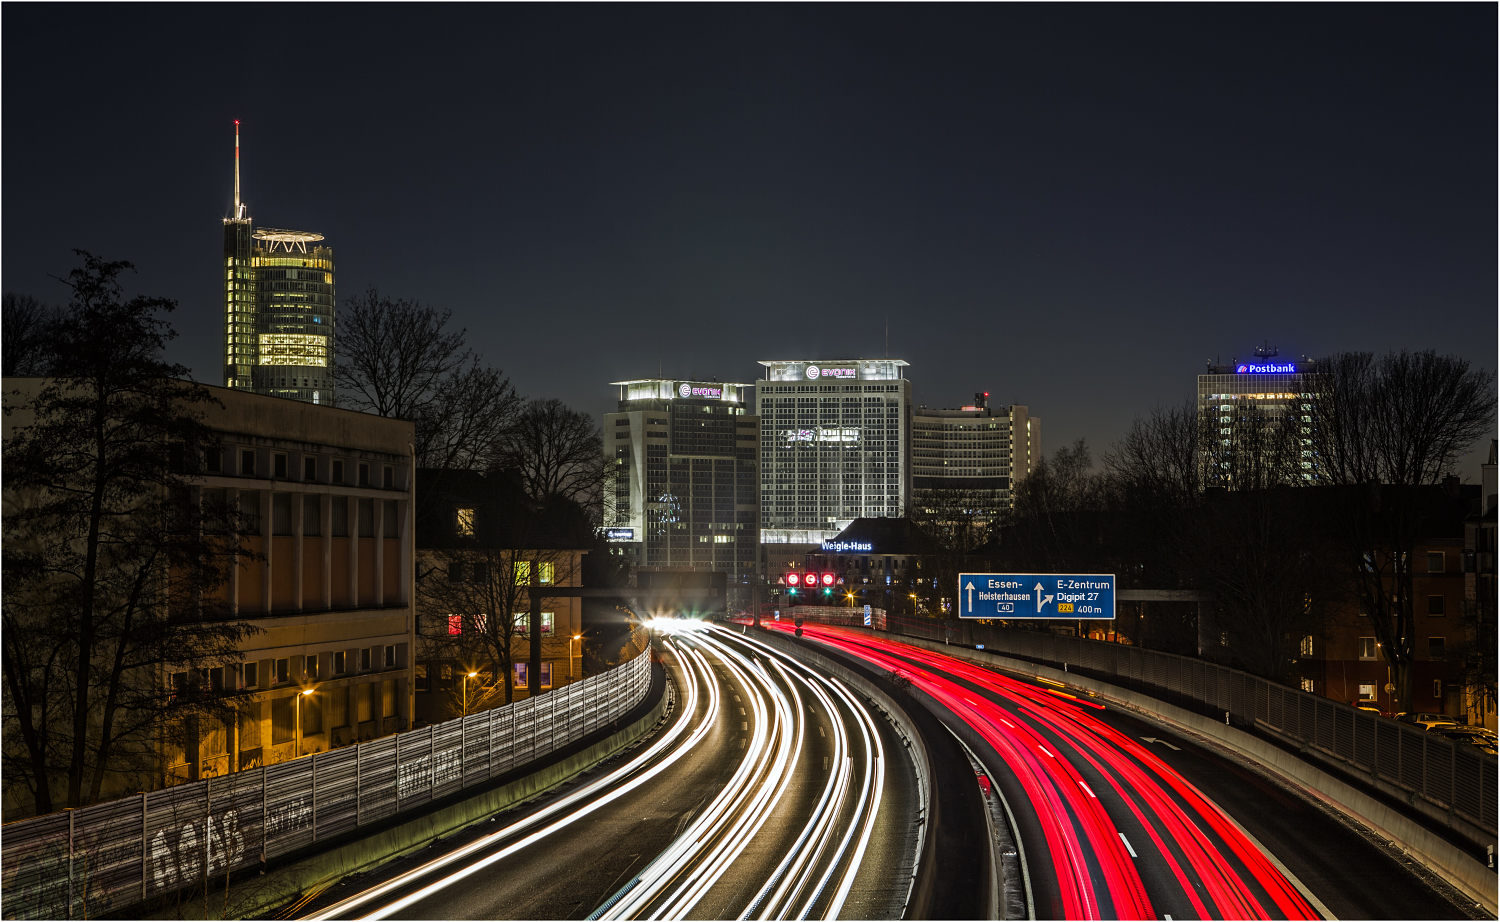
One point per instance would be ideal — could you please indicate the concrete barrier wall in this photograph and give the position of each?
(258, 896)
(1455, 865)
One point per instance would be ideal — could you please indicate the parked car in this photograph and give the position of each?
(1427, 720)
(1484, 739)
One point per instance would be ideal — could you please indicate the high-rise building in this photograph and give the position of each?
(976, 448)
(835, 445)
(681, 489)
(278, 307)
(1256, 421)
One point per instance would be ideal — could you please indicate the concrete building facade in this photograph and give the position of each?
(835, 445)
(683, 476)
(331, 593)
(979, 448)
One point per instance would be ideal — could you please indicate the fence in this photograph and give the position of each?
(1456, 778)
(83, 863)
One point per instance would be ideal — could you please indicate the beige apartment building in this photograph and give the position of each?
(329, 582)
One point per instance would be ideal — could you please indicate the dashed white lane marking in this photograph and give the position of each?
(1086, 788)
(1046, 753)
(1129, 849)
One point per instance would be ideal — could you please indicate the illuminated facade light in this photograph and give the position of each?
(304, 349)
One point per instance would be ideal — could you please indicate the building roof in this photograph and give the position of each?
(887, 536)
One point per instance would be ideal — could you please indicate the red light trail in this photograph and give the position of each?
(1047, 737)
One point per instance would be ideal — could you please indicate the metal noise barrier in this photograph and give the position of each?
(1454, 778)
(86, 862)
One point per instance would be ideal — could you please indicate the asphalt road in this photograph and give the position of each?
(762, 795)
(1078, 776)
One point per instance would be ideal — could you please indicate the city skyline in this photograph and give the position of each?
(1049, 220)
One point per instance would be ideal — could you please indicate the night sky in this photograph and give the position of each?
(1070, 207)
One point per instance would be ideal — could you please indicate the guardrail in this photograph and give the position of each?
(86, 862)
(1456, 781)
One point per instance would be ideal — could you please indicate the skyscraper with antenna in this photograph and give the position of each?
(278, 307)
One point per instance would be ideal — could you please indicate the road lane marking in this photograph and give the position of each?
(1152, 739)
(1046, 753)
(1086, 788)
(1129, 849)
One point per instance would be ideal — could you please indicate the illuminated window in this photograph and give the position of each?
(1367, 648)
(455, 625)
(523, 621)
(1310, 685)
(520, 671)
(1307, 645)
(466, 522)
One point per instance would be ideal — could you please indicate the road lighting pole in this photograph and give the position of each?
(571, 676)
(466, 692)
(298, 719)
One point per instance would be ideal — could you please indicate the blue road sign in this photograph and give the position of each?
(1031, 596)
(868, 616)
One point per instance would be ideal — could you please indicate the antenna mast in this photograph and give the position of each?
(237, 214)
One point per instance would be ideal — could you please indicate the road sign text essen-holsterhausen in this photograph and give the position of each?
(1029, 596)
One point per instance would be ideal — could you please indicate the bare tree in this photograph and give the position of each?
(397, 358)
(112, 558)
(960, 522)
(478, 600)
(1206, 504)
(394, 355)
(1057, 523)
(558, 452)
(26, 347)
(1159, 458)
(1385, 431)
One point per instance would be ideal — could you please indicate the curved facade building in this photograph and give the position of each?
(294, 298)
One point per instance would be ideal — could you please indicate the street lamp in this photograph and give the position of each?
(571, 677)
(466, 691)
(298, 717)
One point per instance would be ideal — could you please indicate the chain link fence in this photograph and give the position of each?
(86, 862)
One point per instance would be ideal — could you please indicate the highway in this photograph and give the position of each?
(772, 793)
(1122, 820)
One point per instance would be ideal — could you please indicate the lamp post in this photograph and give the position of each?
(466, 692)
(571, 677)
(298, 717)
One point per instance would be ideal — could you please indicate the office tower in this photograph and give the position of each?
(681, 489)
(976, 448)
(835, 445)
(278, 307)
(1256, 421)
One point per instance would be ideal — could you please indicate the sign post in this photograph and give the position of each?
(1037, 596)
